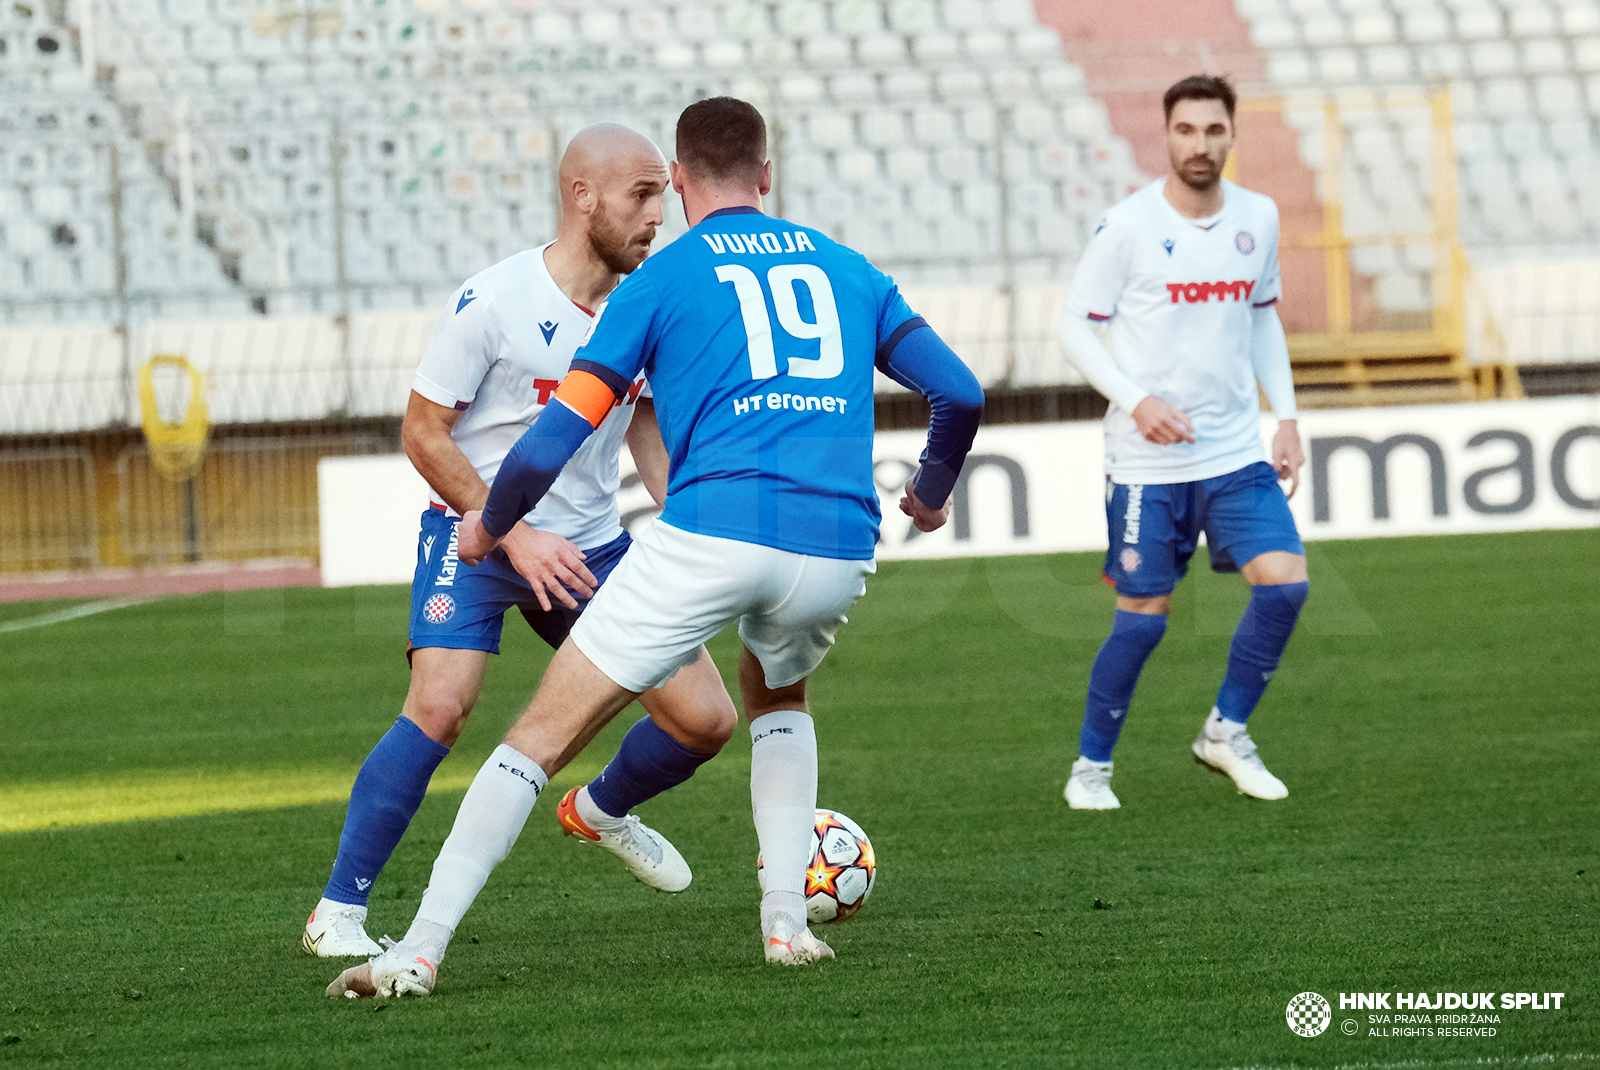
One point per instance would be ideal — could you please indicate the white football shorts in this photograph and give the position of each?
(675, 589)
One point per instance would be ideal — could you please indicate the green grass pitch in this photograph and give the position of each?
(1435, 719)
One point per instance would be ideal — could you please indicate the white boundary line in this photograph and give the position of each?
(87, 609)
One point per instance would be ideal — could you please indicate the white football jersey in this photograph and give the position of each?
(502, 346)
(1180, 295)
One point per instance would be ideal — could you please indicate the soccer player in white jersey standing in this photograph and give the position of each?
(503, 344)
(1186, 271)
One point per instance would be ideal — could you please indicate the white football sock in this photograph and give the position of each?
(491, 817)
(427, 939)
(783, 796)
(593, 816)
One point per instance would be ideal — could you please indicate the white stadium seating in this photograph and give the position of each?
(1525, 83)
(452, 115)
(910, 129)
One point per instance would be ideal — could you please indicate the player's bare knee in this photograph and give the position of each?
(1276, 567)
(440, 713)
(694, 707)
(718, 725)
(1157, 606)
(704, 725)
(702, 734)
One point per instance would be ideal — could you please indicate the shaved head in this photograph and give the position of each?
(599, 151)
(612, 179)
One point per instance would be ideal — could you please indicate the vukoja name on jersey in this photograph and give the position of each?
(759, 339)
(500, 350)
(1181, 295)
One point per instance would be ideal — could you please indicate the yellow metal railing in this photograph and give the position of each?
(1356, 363)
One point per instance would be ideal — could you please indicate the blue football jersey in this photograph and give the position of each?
(758, 337)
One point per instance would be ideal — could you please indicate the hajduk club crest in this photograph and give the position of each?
(438, 609)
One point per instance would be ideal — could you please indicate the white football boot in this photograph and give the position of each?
(1226, 747)
(648, 855)
(337, 930)
(1089, 786)
(396, 972)
(787, 947)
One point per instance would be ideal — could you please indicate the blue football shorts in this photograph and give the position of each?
(463, 606)
(1155, 527)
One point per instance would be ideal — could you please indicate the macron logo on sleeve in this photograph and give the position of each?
(467, 297)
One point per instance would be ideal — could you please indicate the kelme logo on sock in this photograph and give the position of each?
(518, 773)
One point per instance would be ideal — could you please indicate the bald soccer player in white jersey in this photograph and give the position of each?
(503, 344)
(1186, 271)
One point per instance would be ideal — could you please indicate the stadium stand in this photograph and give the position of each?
(286, 192)
(911, 128)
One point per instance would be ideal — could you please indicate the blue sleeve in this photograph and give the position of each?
(915, 357)
(893, 311)
(619, 341)
(624, 331)
(532, 465)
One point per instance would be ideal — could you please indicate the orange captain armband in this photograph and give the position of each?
(586, 394)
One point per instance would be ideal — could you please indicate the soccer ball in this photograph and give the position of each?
(842, 871)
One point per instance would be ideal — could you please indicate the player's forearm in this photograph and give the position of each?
(921, 360)
(1269, 357)
(1086, 352)
(440, 461)
(649, 453)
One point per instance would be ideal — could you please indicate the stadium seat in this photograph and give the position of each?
(891, 110)
(907, 86)
(1580, 17)
(883, 129)
(1290, 67)
(1013, 14)
(1423, 25)
(1339, 66)
(1324, 29)
(1271, 29)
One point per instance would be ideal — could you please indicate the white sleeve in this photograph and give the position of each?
(1102, 274)
(464, 346)
(1269, 356)
(1092, 358)
(1269, 284)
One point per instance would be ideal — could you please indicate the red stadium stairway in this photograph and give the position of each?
(1131, 50)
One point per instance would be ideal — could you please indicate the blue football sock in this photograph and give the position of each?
(1258, 643)
(648, 763)
(386, 795)
(1112, 680)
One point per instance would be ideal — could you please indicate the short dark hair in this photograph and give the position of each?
(1201, 87)
(722, 139)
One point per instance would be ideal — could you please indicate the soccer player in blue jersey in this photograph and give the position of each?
(759, 338)
(1186, 271)
(503, 342)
